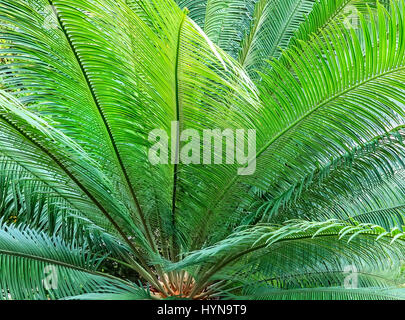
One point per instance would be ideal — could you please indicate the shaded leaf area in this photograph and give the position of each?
(30, 201)
(273, 26)
(224, 22)
(365, 183)
(269, 261)
(333, 101)
(46, 267)
(250, 31)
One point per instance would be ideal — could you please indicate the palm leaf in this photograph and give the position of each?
(302, 124)
(274, 24)
(36, 266)
(84, 83)
(373, 169)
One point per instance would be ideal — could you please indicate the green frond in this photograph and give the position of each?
(327, 12)
(197, 10)
(56, 160)
(274, 24)
(333, 101)
(270, 237)
(226, 23)
(85, 84)
(38, 266)
(302, 254)
(381, 204)
(138, 196)
(326, 294)
(373, 169)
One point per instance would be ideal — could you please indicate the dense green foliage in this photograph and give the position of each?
(84, 82)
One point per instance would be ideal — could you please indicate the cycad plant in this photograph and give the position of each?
(84, 212)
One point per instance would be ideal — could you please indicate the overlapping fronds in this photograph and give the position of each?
(300, 254)
(60, 163)
(274, 24)
(262, 236)
(332, 101)
(372, 170)
(327, 12)
(28, 199)
(37, 266)
(197, 10)
(226, 22)
(87, 81)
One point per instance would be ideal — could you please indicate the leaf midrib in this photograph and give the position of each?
(303, 117)
(247, 47)
(59, 263)
(178, 111)
(308, 236)
(282, 31)
(105, 123)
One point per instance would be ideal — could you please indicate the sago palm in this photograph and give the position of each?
(85, 214)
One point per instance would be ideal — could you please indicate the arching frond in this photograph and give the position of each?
(373, 170)
(335, 102)
(301, 247)
(90, 89)
(36, 266)
(274, 24)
